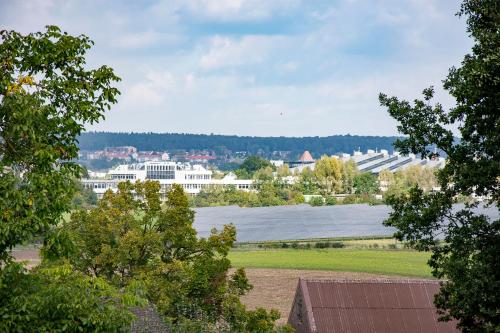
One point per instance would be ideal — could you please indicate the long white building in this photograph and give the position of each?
(376, 161)
(192, 178)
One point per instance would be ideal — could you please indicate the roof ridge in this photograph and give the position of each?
(388, 280)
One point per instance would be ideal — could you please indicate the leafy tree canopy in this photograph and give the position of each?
(47, 95)
(262, 146)
(133, 240)
(255, 163)
(468, 257)
(366, 183)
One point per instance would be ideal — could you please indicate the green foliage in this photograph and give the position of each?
(251, 165)
(330, 201)
(132, 239)
(361, 199)
(349, 172)
(47, 95)
(269, 193)
(83, 197)
(390, 262)
(224, 196)
(316, 201)
(57, 299)
(468, 258)
(328, 173)
(264, 146)
(366, 183)
(307, 183)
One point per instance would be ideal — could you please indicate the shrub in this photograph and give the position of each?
(316, 201)
(330, 201)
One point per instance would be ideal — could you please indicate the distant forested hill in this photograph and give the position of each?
(253, 145)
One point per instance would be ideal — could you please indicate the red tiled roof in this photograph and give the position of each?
(201, 157)
(306, 157)
(331, 306)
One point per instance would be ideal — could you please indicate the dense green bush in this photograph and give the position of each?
(316, 201)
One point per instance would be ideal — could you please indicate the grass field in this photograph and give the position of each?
(403, 263)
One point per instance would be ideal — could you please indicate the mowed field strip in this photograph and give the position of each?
(386, 262)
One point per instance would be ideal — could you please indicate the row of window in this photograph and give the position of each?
(123, 176)
(105, 185)
(98, 185)
(160, 174)
(197, 177)
(160, 167)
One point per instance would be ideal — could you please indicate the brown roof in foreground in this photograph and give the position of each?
(306, 157)
(148, 320)
(331, 306)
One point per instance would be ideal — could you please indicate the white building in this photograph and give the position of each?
(192, 178)
(376, 161)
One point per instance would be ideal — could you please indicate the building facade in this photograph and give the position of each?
(193, 178)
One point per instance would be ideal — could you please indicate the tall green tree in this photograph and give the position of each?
(467, 256)
(328, 173)
(251, 165)
(132, 240)
(47, 95)
(366, 183)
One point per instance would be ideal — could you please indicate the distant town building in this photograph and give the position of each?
(127, 150)
(373, 161)
(362, 306)
(277, 163)
(193, 178)
(304, 160)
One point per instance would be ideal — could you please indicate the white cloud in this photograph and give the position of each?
(151, 91)
(137, 40)
(231, 52)
(239, 10)
(198, 65)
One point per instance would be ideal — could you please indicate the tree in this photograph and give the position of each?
(328, 173)
(83, 197)
(366, 183)
(307, 183)
(264, 174)
(132, 240)
(468, 255)
(251, 165)
(349, 172)
(47, 96)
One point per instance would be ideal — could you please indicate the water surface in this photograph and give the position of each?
(300, 221)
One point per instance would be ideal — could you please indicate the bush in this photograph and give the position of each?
(316, 201)
(330, 201)
(350, 199)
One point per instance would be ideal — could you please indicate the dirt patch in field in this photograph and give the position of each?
(275, 288)
(31, 256)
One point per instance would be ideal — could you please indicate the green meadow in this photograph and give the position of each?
(387, 262)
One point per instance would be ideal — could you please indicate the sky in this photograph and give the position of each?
(259, 67)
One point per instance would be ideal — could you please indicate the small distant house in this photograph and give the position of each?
(305, 159)
(357, 306)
